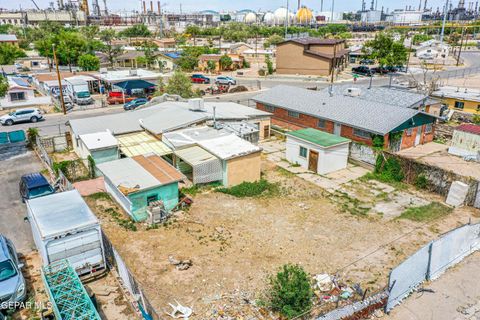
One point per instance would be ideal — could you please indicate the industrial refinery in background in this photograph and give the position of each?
(81, 12)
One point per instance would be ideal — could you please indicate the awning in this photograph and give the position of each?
(142, 143)
(205, 166)
(134, 84)
(195, 155)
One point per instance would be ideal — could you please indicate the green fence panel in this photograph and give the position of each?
(3, 137)
(16, 136)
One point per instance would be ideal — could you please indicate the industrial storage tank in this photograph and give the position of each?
(280, 15)
(251, 17)
(269, 18)
(304, 16)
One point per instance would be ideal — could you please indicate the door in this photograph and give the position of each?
(418, 136)
(337, 129)
(313, 161)
(266, 132)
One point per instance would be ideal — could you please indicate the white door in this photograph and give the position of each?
(337, 129)
(418, 136)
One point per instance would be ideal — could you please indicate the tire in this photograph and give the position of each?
(9, 122)
(33, 119)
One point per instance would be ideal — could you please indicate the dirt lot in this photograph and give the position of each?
(235, 244)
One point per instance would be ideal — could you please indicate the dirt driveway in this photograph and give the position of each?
(234, 244)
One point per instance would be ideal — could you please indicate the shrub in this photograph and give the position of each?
(32, 134)
(290, 291)
(377, 142)
(251, 189)
(476, 119)
(421, 181)
(388, 170)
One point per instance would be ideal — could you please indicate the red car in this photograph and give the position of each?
(200, 78)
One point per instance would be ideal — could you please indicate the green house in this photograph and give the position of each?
(101, 146)
(138, 181)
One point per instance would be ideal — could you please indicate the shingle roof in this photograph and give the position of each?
(312, 40)
(318, 137)
(375, 117)
(389, 95)
(470, 128)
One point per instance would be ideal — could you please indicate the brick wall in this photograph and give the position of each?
(408, 141)
(347, 132)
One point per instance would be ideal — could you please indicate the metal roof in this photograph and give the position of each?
(142, 143)
(60, 212)
(131, 175)
(195, 155)
(8, 37)
(467, 94)
(34, 180)
(318, 137)
(312, 40)
(469, 128)
(375, 117)
(233, 111)
(99, 140)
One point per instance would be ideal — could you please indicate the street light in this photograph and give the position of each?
(444, 21)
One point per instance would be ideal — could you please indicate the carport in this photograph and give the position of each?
(199, 165)
(135, 86)
(142, 143)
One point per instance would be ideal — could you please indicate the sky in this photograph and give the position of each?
(219, 5)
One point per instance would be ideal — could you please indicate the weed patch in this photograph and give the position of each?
(100, 196)
(430, 211)
(252, 189)
(199, 188)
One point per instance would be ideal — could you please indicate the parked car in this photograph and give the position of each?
(226, 80)
(200, 78)
(367, 61)
(363, 70)
(34, 185)
(21, 115)
(12, 283)
(380, 70)
(119, 100)
(132, 105)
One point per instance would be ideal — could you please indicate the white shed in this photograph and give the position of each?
(317, 151)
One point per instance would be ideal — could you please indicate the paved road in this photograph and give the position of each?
(456, 296)
(12, 210)
(55, 123)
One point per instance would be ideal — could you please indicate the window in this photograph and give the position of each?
(321, 123)
(303, 152)
(361, 133)
(151, 199)
(293, 114)
(428, 128)
(409, 131)
(17, 96)
(459, 105)
(270, 109)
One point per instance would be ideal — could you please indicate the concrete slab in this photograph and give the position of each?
(423, 150)
(88, 187)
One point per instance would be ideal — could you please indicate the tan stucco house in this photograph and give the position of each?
(311, 56)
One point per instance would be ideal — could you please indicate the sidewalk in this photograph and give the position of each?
(456, 296)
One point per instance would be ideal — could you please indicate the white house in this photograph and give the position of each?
(21, 94)
(317, 151)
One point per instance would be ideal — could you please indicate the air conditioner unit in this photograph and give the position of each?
(157, 212)
(196, 104)
(353, 92)
(133, 73)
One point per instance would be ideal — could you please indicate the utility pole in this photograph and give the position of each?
(334, 62)
(444, 21)
(333, 5)
(409, 53)
(461, 46)
(62, 102)
(286, 22)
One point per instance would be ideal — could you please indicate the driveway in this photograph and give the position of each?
(456, 296)
(12, 210)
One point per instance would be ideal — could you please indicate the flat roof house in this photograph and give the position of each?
(349, 116)
(138, 181)
(101, 146)
(317, 151)
(459, 99)
(311, 56)
(21, 94)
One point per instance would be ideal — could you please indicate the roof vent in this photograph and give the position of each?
(353, 92)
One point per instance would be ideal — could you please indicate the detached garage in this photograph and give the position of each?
(317, 151)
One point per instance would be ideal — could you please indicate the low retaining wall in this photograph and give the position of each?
(358, 310)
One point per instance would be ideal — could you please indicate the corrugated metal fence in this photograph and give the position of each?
(115, 261)
(431, 261)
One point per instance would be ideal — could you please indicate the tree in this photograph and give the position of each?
(225, 62)
(9, 53)
(3, 86)
(454, 38)
(194, 31)
(386, 51)
(71, 45)
(89, 62)
(150, 50)
(290, 292)
(269, 63)
(273, 40)
(180, 84)
(138, 30)
(211, 65)
(112, 51)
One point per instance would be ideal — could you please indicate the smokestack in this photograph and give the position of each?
(420, 6)
(151, 6)
(298, 5)
(159, 8)
(425, 6)
(144, 7)
(372, 5)
(321, 6)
